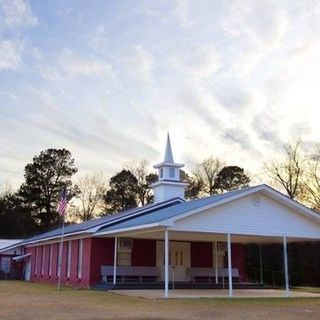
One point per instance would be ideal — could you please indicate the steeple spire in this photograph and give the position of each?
(168, 157)
(169, 185)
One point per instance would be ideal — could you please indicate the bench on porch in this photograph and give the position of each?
(130, 273)
(209, 274)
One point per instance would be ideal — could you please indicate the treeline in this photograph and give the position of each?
(33, 207)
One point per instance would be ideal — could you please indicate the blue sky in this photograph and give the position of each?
(108, 79)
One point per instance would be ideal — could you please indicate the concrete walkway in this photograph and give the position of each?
(242, 293)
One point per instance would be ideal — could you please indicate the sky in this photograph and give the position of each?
(107, 80)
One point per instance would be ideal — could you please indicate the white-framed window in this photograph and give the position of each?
(42, 260)
(50, 260)
(80, 253)
(161, 173)
(68, 259)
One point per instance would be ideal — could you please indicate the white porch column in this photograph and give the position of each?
(166, 263)
(230, 266)
(216, 260)
(115, 260)
(286, 273)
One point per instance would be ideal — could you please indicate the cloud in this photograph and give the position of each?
(10, 55)
(197, 62)
(73, 65)
(140, 63)
(16, 13)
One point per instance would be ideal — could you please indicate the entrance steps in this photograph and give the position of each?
(105, 286)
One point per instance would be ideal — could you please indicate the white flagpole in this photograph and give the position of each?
(60, 253)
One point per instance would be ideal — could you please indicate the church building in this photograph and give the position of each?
(172, 242)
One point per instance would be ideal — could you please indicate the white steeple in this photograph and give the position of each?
(169, 184)
(168, 157)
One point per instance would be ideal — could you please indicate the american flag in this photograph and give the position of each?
(63, 202)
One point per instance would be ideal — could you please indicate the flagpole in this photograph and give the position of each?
(60, 253)
(62, 211)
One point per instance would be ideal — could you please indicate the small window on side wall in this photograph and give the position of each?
(161, 173)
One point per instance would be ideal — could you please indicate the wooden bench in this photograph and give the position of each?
(209, 273)
(129, 273)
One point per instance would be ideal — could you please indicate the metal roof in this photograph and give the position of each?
(8, 242)
(92, 225)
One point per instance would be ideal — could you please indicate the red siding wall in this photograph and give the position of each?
(238, 257)
(143, 253)
(101, 254)
(73, 280)
(201, 254)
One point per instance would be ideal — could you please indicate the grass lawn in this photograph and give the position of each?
(31, 301)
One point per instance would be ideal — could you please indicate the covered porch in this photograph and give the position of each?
(189, 260)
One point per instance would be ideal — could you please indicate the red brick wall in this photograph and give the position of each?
(201, 254)
(143, 253)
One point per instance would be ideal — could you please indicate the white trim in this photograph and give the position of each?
(22, 256)
(79, 261)
(115, 250)
(166, 263)
(36, 261)
(230, 293)
(42, 259)
(50, 261)
(69, 259)
(133, 228)
(171, 183)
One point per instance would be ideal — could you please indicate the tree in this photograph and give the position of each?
(122, 193)
(289, 173)
(231, 178)
(195, 186)
(311, 185)
(45, 178)
(89, 201)
(144, 180)
(205, 174)
(17, 219)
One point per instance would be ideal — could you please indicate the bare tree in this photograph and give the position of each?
(312, 181)
(89, 202)
(140, 169)
(289, 173)
(206, 173)
(6, 189)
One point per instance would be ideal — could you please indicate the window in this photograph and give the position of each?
(5, 265)
(161, 173)
(124, 252)
(171, 172)
(68, 259)
(50, 261)
(80, 249)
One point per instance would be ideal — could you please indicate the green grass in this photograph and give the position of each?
(33, 301)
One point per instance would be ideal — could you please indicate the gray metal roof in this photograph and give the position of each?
(149, 214)
(173, 211)
(95, 223)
